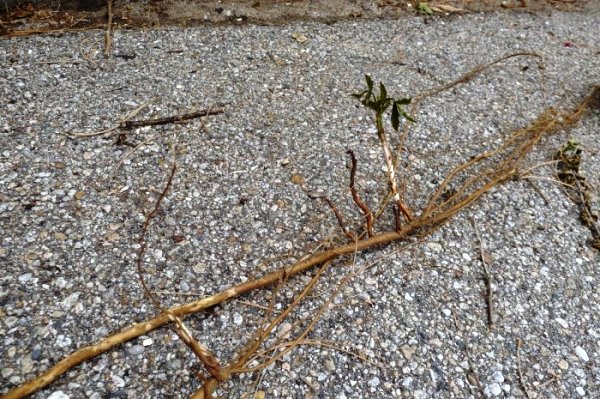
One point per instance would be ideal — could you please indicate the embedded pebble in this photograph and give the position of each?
(58, 395)
(493, 389)
(118, 381)
(374, 382)
(563, 364)
(238, 319)
(582, 354)
(498, 377)
(136, 350)
(562, 322)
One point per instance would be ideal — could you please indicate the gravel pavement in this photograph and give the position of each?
(412, 324)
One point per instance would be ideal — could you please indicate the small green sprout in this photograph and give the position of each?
(381, 102)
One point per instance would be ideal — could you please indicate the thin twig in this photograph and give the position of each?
(487, 278)
(335, 210)
(132, 114)
(142, 240)
(519, 372)
(363, 207)
(108, 32)
(130, 125)
(209, 361)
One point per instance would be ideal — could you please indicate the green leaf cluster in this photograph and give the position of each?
(380, 102)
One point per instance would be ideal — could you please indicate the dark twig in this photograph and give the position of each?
(142, 239)
(363, 207)
(472, 375)
(519, 372)
(129, 125)
(487, 278)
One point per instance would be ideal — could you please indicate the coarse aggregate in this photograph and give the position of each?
(411, 323)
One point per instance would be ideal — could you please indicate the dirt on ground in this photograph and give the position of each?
(21, 18)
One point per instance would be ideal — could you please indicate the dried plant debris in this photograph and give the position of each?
(568, 159)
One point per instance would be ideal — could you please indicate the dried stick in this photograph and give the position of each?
(507, 170)
(130, 125)
(133, 113)
(108, 32)
(487, 278)
(519, 372)
(208, 359)
(336, 212)
(142, 240)
(363, 207)
(391, 175)
(478, 69)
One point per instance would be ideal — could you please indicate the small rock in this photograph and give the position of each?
(136, 350)
(175, 364)
(580, 391)
(321, 377)
(7, 372)
(420, 394)
(373, 382)
(436, 342)
(26, 364)
(563, 364)
(58, 395)
(493, 389)
(62, 341)
(330, 365)
(407, 382)
(447, 312)
(23, 278)
(118, 381)
(238, 319)
(36, 354)
(408, 351)
(582, 354)
(284, 330)
(563, 323)
(434, 246)
(498, 377)
(10, 321)
(147, 342)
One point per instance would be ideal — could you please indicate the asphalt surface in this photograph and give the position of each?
(412, 323)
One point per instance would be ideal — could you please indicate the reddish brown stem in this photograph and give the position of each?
(363, 207)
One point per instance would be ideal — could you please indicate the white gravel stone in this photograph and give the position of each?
(374, 382)
(238, 319)
(58, 395)
(493, 389)
(562, 322)
(498, 377)
(118, 381)
(582, 354)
